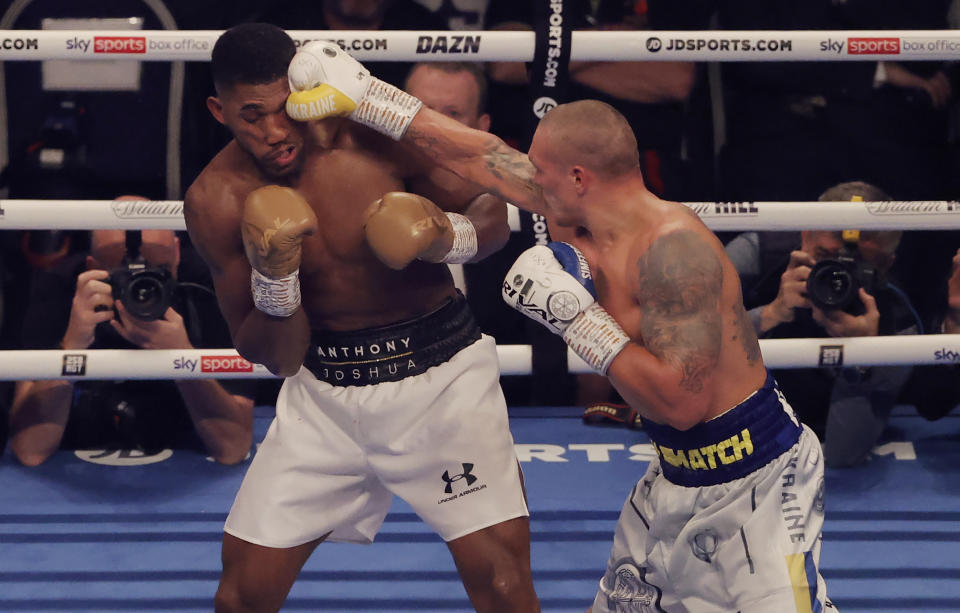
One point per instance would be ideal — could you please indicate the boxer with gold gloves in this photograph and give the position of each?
(328, 245)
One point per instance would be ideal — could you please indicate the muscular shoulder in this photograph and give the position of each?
(212, 208)
(680, 270)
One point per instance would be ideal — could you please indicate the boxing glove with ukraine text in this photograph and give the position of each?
(552, 284)
(401, 227)
(275, 220)
(326, 82)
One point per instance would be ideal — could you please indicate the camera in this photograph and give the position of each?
(145, 291)
(834, 284)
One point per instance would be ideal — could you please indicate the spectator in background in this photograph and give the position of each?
(458, 14)
(651, 95)
(456, 89)
(848, 407)
(935, 389)
(793, 127)
(72, 307)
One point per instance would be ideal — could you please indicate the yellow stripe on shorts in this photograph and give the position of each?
(803, 577)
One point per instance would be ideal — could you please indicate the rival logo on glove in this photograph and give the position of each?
(527, 307)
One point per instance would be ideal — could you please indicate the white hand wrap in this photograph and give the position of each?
(277, 297)
(385, 108)
(596, 337)
(464, 240)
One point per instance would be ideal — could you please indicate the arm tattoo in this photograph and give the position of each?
(679, 294)
(511, 166)
(426, 143)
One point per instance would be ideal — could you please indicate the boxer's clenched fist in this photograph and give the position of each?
(275, 220)
(326, 82)
(402, 227)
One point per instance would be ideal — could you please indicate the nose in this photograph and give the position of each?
(277, 128)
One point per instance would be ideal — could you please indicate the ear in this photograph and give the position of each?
(580, 178)
(216, 109)
(483, 122)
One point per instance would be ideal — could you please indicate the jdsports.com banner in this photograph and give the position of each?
(412, 46)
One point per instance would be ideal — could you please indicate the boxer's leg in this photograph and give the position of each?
(256, 579)
(494, 565)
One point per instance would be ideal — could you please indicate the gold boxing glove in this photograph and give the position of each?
(275, 220)
(401, 227)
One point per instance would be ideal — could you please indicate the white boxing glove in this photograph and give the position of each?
(326, 82)
(552, 284)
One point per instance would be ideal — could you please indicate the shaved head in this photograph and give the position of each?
(592, 134)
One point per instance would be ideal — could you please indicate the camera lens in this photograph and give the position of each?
(831, 285)
(146, 297)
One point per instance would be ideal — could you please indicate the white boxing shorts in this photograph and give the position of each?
(727, 519)
(413, 409)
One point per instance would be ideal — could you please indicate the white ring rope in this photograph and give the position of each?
(718, 216)
(514, 359)
(486, 46)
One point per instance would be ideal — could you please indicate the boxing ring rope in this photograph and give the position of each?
(487, 46)
(718, 216)
(514, 359)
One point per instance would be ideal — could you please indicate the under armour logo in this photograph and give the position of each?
(467, 469)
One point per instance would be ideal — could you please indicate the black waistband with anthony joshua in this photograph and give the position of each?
(393, 352)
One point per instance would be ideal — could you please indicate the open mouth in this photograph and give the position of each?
(284, 157)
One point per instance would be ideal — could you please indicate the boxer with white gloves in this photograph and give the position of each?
(552, 285)
(729, 447)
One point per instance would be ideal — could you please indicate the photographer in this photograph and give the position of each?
(835, 285)
(73, 307)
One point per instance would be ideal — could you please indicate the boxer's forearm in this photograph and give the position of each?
(223, 421)
(476, 156)
(488, 214)
(662, 388)
(38, 419)
(279, 343)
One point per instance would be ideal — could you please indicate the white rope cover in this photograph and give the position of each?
(718, 216)
(481, 46)
(514, 359)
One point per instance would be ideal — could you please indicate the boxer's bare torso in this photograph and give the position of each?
(344, 286)
(667, 281)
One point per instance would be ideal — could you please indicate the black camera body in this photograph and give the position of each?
(145, 291)
(834, 284)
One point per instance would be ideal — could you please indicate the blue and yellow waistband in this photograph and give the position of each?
(731, 446)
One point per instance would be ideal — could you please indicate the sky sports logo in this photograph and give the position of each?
(213, 363)
(946, 355)
(119, 44)
(873, 46)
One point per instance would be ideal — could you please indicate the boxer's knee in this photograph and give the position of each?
(504, 585)
(227, 599)
(234, 597)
